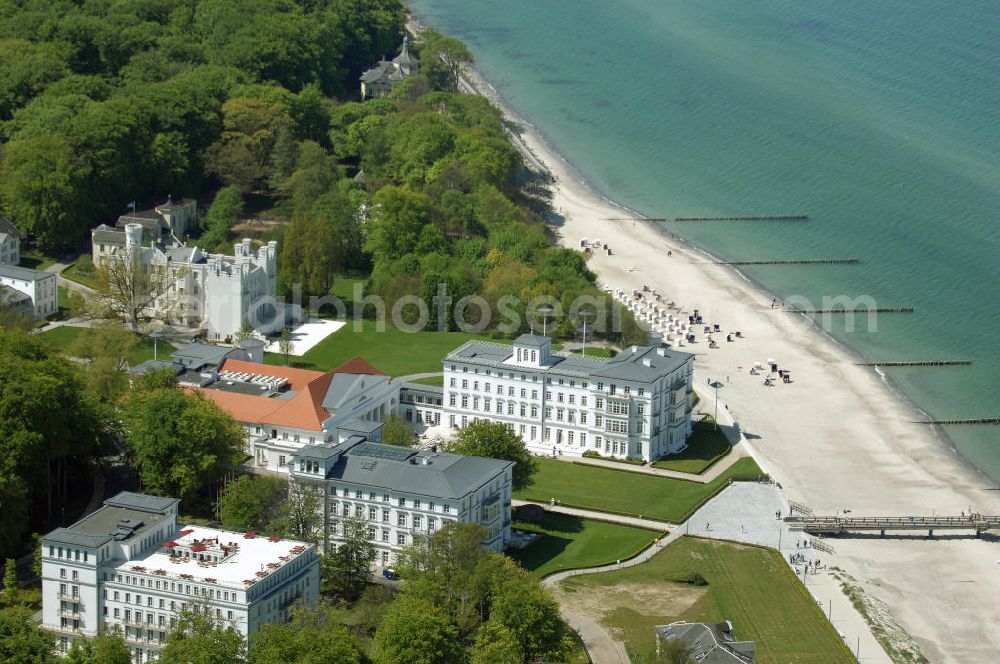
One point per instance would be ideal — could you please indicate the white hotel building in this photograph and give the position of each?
(403, 493)
(635, 405)
(129, 566)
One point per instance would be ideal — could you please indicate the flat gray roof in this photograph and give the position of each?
(628, 365)
(198, 355)
(404, 469)
(444, 475)
(23, 273)
(123, 517)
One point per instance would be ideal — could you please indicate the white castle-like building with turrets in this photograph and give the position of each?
(214, 292)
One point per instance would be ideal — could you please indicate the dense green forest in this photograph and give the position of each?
(106, 103)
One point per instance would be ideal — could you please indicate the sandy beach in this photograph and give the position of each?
(837, 437)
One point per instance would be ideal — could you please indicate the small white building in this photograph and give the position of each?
(284, 409)
(41, 287)
(635, 405)
(10, 242)
(130, 566)
(403, 494)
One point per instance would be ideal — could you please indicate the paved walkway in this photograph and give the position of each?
(638, 522)
(68, 283)
(743, 512)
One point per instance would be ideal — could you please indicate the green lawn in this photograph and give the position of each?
(393, 351)
(437, 381)
(36, 260)
(61, 338)
(569, 542)
(82, 271)
(750, 586)
(624, 491)
(705, 447)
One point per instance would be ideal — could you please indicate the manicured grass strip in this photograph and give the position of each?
(624, 491)
(36, 261)
(393, 351)
(82, 271)
(62, 338)
(569, 542)
(437, 381)
(706, 446)
(750, 586)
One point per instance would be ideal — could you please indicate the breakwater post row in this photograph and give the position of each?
(859, 310)
(762, 217)
(804, 261)
(917, 363)
(974, 420)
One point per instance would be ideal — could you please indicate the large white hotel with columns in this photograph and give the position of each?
(635, 405)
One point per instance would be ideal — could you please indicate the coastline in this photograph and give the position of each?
(894, 479)
(539, 147)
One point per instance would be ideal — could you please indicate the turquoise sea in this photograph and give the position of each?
(879, 119)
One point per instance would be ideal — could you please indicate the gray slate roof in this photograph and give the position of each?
(444, 475)
(8, 227)
(23, 273)
(631, 364)
(123, 517)
(12, 296)
(141, 501)
(532, 340)
(197, 355)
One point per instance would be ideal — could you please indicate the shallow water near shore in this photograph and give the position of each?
(879, 120)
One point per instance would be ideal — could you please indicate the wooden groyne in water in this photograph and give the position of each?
(634, 219)
(877, 310)
(761, 217)
(976, 420)
(804, 261)
(917, 363)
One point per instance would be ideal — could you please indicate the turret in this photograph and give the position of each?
(133, 237)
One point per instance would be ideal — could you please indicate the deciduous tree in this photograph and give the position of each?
(496, 440)
(253, 502)
(346, 571)
(396, 431)
(179, 441)
(415, 631)
(312, 636)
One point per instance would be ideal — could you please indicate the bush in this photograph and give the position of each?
(692, 579)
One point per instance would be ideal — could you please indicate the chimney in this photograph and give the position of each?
(646, 362)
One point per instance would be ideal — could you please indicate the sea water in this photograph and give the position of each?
(881, 120)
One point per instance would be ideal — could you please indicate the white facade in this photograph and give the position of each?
(220, 292)
(212, 291)
(404, 494)
(636, 405)
(284, 409)
(131, 567)
(41, 287)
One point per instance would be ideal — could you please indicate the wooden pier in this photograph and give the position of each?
(917, 363)
(836, 525)
(762, 217)
(805, 261)
(860, 310)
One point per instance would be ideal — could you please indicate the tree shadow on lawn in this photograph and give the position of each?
(540, 552)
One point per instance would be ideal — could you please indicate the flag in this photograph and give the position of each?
(131, 206)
